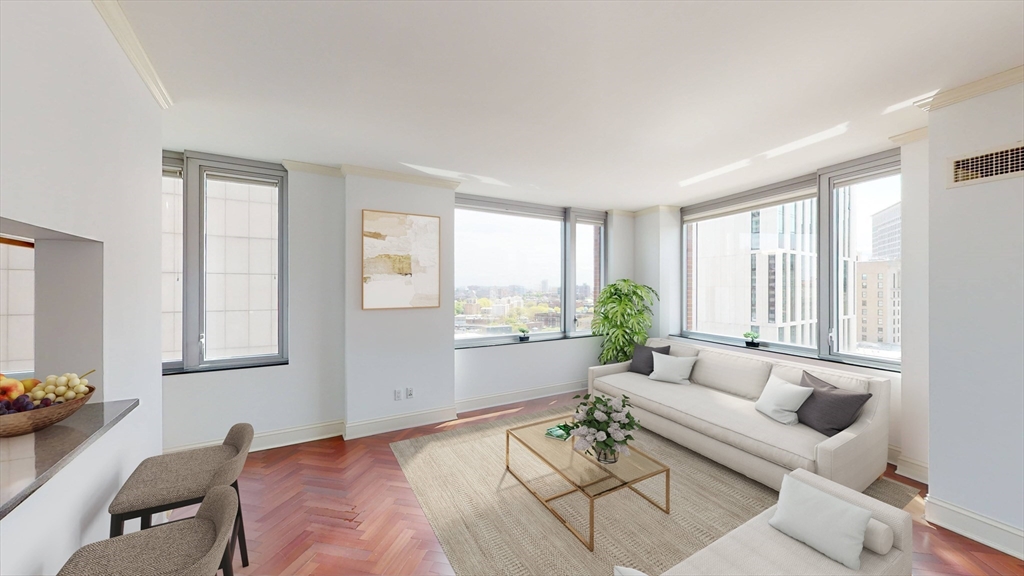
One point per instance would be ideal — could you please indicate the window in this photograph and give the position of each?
(726, 290)
(224, 263)
(172, 264)
(499, 290)
(863, 202)
(589, 271)
(753, 287)
(17, 306)
(848, 214)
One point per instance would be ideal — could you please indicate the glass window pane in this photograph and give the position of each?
(755, 267)
(17, 309)
(588, 273)
(868, 214)
(508, 271)
(241, 268)
(172, 263)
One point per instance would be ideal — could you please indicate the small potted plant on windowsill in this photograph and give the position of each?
(524, 334)
(752, 339)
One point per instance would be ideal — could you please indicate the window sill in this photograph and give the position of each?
(221, 368)
(488, 343)
(795, 351)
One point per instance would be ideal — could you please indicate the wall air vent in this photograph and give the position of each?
(1003, 162)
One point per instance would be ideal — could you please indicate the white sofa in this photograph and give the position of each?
(714, 415)
(755, 548)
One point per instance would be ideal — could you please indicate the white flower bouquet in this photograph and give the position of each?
(603, 424)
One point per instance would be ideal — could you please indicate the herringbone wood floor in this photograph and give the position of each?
(337, 507)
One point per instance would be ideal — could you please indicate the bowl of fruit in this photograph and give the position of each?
(30, 405)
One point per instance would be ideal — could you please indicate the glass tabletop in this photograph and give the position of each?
(582, 470)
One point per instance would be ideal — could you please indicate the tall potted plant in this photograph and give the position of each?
(623, 315)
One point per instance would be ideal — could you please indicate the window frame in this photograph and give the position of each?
(193, 167)
(568, 217)
(827, 305)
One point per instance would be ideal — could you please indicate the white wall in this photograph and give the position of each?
(494, 375)
(620, 234)
(306, 398)
(80, 153)
(913, 441)
(976, 303)
(658, 264)
(389, 349)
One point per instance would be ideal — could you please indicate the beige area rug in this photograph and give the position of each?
(489, 524)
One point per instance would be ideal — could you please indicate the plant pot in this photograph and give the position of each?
(607, 456)
(524, 338)
(752, 344)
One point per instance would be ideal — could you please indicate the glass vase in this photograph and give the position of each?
(607, 456)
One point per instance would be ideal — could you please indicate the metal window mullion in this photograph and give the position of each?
(282, 268)
(568, 272)
(194, 248)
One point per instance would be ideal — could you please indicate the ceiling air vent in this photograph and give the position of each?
(1004, 162)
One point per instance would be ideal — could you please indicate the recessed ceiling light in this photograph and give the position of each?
(812, 139)
(910, 102)
(716, 172)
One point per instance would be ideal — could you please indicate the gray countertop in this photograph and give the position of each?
(28, 461)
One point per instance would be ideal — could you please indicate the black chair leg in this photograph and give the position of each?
(116, 525)
(241, 528)
(146, 521)
(225, 563)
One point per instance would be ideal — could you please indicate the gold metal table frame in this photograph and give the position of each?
(584, 473)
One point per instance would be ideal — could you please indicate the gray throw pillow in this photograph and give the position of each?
(643, 358)
(829, 410)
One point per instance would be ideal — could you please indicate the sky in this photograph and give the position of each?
(869, 198)
(502, 250)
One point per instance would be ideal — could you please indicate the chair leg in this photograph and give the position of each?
(116, 525)
(241, 528)
(145, 521)
(225, 563)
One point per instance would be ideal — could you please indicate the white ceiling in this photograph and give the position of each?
(594, 105)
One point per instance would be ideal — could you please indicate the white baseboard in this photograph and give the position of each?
(491, 400)
(279, 438)
(987, 531)
(894, 454)
(913, 469)
(398, 422)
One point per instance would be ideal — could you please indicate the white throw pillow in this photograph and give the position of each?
(673, 369)
(824, 522)
(623, 571)
(878, 537)
(780, 400)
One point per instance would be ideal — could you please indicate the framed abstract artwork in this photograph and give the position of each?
(401, 260)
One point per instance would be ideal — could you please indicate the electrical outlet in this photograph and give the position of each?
(398, 394)
(408, 392)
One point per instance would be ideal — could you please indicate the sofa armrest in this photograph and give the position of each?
(599, 371)
(856, 457)
(899, 520)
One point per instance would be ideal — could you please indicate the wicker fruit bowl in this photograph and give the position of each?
(35, 420)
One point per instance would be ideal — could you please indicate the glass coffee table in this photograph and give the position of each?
(583, 472)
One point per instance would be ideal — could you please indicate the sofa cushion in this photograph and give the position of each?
(829, 410)
(676, 348)
(737, 374)
(824, 522)
(643, 359)
(794, 374)
(724, 417)
(756, 548)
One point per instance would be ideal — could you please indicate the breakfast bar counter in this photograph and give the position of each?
(29, 461)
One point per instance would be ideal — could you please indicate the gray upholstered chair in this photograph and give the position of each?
(180, 479)
(195, 546)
